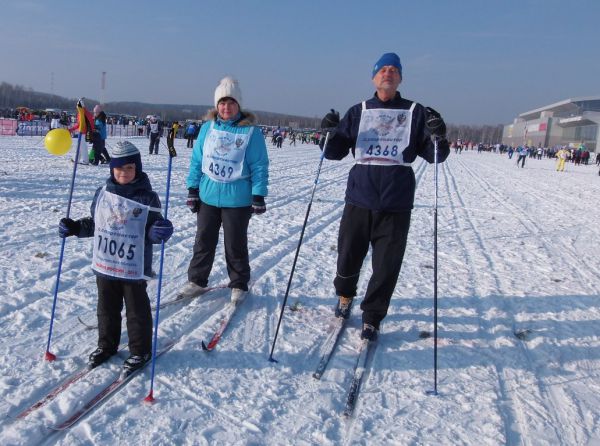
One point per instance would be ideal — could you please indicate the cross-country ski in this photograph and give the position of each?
(105, 393)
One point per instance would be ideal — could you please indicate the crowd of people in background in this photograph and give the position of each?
(153, 127)
(563, 154)
(279, 135)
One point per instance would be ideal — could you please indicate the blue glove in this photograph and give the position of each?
(68, 227)
(160, 231)
(258, 204)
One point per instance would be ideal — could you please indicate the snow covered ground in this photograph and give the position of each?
(517, 252)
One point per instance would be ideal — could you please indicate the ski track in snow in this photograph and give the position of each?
(517, 252)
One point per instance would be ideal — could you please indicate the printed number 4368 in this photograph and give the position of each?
(377, 150)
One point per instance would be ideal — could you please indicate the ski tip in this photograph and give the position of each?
(271, 359)
(49, 356)
(317, 375)
(523, 334)
(204, 347)
(150, 398)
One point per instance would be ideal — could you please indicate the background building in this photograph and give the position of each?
(569, 122)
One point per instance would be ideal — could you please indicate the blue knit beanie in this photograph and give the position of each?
(387, 59)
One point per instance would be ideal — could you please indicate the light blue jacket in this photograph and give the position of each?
(255, 172)
(100, 127)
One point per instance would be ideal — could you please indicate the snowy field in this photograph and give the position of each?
(518, 252)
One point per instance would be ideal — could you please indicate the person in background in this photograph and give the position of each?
(100, 154)
(190, 134)
(175, 128)
(385, 134)
(561, 158)
(55, 122)
(522, 151)
(125, 213)
(227, 183)
(155, 131)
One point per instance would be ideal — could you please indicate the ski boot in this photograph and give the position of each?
(343, 307)
(191, 289)
(369, 333)
(99, 356)
(238, 295)
(135, 362)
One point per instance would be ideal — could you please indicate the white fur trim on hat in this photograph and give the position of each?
(228, 88)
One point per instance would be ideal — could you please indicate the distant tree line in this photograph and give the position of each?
(487, 134)
(12, 96)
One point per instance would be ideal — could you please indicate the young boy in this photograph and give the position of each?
(125, 221)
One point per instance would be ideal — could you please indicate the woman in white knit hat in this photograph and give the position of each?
(227, 183)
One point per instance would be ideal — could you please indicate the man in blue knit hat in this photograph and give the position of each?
(385, 134)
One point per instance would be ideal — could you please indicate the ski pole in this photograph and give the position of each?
(435, 262)
(50, 356)
(298, 248)
(150, 397)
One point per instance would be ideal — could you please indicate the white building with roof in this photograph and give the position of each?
(569, 122)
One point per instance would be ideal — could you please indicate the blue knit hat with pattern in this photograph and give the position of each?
(123, 153)
(387, 59)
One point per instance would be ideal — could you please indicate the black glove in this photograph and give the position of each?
(331, 119)
(258, 204)
(193, 200)
(171, 144)
(435, 124)
(68, 227)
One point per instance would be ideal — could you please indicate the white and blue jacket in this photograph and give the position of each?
(255, 173)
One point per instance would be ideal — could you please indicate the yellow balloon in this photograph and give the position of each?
(58, 141)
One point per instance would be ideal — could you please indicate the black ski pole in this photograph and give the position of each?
(298, 248)
(435, 275)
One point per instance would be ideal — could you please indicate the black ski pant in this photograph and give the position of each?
(386, 233)
(111, 294)
(100, 152)
(154, 140)
(521, 160)
(235, 234)
(190, 142)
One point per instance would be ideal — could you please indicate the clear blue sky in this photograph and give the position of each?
(476, 61)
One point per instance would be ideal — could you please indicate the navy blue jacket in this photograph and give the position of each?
(138, 190)
(384, 188)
